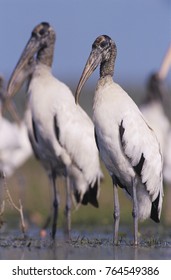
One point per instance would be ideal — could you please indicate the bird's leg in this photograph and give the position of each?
(55, 206)
(135, 212)
(116, 213)
(68, 207)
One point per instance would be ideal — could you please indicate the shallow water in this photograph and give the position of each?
(84, 245)
(67, 252)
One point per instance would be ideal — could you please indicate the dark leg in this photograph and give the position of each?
(116, 213)
(68, 207)
(55, 206)
(135, 213)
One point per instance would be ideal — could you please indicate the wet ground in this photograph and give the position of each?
(86, 245)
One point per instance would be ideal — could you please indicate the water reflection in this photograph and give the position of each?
(99, 253)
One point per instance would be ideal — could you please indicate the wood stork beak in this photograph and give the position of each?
(3, 103)
(93, 61)
(24, 67)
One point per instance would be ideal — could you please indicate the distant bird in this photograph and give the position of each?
(15, 147)
(154, 111)
(162, 74)
(127, 144)
(61, 133)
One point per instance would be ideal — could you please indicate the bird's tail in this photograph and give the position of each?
(156, 208)
(90, 195)
(148, 208)
(144, 205)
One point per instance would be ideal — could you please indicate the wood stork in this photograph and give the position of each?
(62, 133)
(15, 147)
(127, 144)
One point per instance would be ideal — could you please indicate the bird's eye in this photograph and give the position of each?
(38, 33)
(103, 44)
(42, 31)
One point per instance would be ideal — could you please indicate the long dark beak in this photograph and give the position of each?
(13, 112)
(92, 63)
(22, 71)
(24, 67)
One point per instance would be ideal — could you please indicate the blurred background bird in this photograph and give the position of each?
(156, 109)
(15, 148)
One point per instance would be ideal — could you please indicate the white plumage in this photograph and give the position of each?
(15, 147)
(167, 160)
(129, 141)
(127, 144)
(56, 99)
(158, 120)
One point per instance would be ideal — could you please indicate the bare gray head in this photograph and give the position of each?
(45, 36)
(39, 49)
(106, 49)
(103, 52)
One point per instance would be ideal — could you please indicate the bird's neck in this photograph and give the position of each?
(45, 55)
(107, 66)
(156, 96)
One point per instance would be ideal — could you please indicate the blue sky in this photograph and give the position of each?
(140, 28)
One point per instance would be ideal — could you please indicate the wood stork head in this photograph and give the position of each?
(103, 53)
(38, 49)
